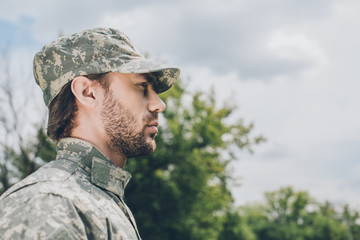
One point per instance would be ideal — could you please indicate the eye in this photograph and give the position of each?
(144, 85)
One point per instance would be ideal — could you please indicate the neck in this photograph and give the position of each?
(98, 139)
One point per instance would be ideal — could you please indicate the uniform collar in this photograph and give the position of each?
(103, 172)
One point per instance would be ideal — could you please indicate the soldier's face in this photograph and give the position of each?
(130, 114)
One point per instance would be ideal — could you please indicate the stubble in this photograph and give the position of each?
(120, 126)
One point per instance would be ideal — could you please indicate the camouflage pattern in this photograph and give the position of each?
(94, 51)
(78, 196)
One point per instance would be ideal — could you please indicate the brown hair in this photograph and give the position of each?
(63, 108)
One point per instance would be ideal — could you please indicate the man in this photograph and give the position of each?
(103, 108)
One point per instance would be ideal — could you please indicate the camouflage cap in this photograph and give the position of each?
(94, 51)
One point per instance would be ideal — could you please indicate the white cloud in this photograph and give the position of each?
(146, 29)
(347, 8)
(259, 176)
(296, 47)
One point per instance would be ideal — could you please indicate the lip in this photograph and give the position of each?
(153, 126)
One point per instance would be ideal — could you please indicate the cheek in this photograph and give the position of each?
(137, 106)
(138, 112)
(133, 100)
(134, 103)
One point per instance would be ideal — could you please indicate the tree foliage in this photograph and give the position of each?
(287, 214)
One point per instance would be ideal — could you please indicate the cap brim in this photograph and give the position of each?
(164, 76)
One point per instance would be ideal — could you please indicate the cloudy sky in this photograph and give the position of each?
(292, 67)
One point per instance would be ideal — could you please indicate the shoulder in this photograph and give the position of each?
(38, 216)
(55, 171)
(50, 202)
(61, 178)
(58, 198)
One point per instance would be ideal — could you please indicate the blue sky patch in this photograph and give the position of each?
(17, 34)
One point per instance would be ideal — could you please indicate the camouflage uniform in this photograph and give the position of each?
(78, 196)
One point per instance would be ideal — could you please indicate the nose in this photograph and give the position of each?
(155, 102)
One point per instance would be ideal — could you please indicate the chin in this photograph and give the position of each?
(147, 149)
(153, 147)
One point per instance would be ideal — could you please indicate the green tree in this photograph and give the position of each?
(235, 227)
(351, 218)
(180, 191)
(329, 224)
(288, 214)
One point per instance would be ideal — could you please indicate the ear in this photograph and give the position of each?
(85, 91)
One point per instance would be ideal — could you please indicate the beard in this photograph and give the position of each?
(120, 126)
